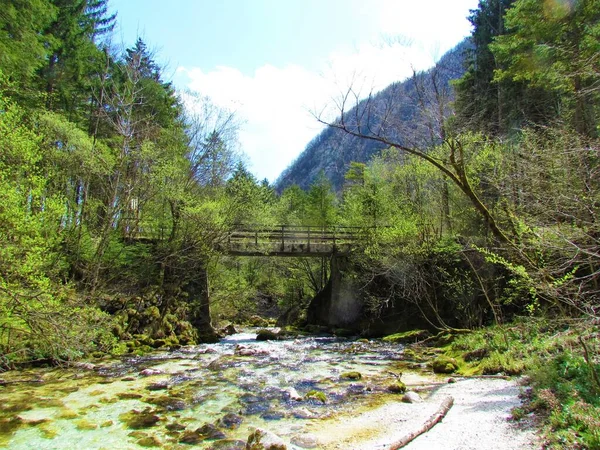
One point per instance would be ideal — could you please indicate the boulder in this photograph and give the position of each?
(265, 440)
(266, 335)
(292, 394)
(444, 364)
(412, 397)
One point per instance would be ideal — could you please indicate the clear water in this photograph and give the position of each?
(89, 408)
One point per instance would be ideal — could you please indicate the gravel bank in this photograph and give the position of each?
(478, 420)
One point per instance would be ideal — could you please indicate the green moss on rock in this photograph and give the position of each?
(444, 364)
(407, 337)
(351, 375)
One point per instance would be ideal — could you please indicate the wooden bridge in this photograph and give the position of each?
(289, 240)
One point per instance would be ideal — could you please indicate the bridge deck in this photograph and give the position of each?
(288, 240)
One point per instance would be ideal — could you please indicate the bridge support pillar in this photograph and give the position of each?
(199, 306)
(337, 305)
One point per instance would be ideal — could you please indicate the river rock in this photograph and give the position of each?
(222, 363)
(412, 397)
(264, 440)
(191, 438)
(210, 431)
(305, 441)
(266, 335)
(84, 365)
(228, 444)
(292, 394)
(158, 386)
(242, 350)
(229, 330)
(230, 421)
(149, 372)
(303, 413)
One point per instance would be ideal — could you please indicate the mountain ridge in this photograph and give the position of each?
(332, 150)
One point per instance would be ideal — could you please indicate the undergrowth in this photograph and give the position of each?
(561, 360)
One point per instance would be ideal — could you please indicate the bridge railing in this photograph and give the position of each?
(292, 239)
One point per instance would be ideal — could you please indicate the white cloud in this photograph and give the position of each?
(275, 103)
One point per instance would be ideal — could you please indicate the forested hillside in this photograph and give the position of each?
(416, 104)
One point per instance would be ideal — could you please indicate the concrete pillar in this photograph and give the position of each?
(337, 305)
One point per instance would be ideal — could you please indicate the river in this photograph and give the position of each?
(209, 395)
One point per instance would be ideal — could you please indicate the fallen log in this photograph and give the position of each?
(439, 414)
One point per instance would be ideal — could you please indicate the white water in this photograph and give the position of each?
(81, 409)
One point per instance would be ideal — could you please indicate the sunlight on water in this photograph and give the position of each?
(160, 399)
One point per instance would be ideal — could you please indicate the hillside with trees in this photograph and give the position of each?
(477, 202)
(415, 115)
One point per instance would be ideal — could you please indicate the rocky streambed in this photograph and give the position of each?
(211, 396)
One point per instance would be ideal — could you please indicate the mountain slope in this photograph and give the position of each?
(409, 108)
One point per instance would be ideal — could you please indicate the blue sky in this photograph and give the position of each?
(275, 62)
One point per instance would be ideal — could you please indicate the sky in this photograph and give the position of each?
(278, 63)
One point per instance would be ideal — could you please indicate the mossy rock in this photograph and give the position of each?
(316, 395)
(84, 424)
(444, 364)
(407, 337)
(149, 442)
(158, 343)
(230, 421)
(351, 375)
(129, 395)
(257, 321)
(170, 403)
(191, 438)
(344, 332)
(397, 388)
(476, 355)
(266, 335)
(210, 432)
(67, 414)
(136, 420)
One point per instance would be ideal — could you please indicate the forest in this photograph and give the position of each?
(116, 192)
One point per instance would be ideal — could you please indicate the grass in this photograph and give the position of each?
(561, 360)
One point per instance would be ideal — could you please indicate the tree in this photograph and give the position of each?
(321, 203)
(74, 60)
(485, 103)
(23, 49)
(558, 54)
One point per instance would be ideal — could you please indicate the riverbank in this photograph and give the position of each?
(479, 418)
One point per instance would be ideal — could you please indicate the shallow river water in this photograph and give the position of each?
(210, 395)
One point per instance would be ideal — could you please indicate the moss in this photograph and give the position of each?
(84, 424)
(149, 441)
(136, 420)
(343, 332)
(407, 337)
(397, 388)
(168, 402)
(129, 395)
(444, 364)
(351, 376)
(106, 424)
(67, 414)
(316, 395)
(9, 426)
(48, 431)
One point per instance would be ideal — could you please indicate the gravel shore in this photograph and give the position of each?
(477, 420)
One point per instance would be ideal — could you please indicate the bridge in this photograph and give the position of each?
(290, 240)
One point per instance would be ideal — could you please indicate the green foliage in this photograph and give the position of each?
(557, 53)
